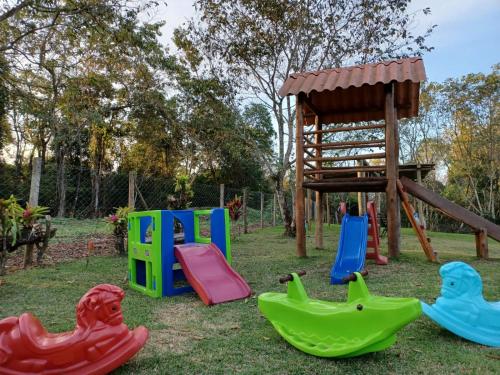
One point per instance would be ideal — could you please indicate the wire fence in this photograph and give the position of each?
(87, 196)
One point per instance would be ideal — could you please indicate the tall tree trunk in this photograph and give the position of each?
(286, 214)
(96, 188)
(77, 191)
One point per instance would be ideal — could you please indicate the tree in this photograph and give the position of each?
(257, 44)
(420, 137)
(84, 42)
(473, 133)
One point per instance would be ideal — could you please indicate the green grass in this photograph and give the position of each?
(188, 337)
(73, 229)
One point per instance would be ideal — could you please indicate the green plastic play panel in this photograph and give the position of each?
(363, 324)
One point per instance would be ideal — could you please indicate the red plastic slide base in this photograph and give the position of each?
(99, 344)
(379, 259)
(210, 275)
(374, 241)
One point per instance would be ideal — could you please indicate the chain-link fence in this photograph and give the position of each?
(84, 195)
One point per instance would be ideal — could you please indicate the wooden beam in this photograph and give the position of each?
(346, 145)
(380, 155)
(308, 140)
(417, 227)
(312, 107)
(451, 209)
(368, 184)
(342, 170)
(299, 179)
(346, 129)
(311, 177)
(361, 195)
(391, 162)
(308, 153)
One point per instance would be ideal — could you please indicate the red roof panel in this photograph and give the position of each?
(356, 93)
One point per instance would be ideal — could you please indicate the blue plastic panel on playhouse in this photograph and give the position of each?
(186, 218)
(152, 233)
(218, 229)
(145, 223)
(351, 251)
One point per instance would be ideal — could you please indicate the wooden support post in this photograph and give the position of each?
(261, 210)
(245, 217)
(274, 210)
(361, 196)
(482, 243)
(132, 176)
(309, 209)
(299, 178)
(391, 149)
(360, 202)
(318, 229)
(49, 233)
(318, 232)
(417, 227)
(221, 195)
(36, 175)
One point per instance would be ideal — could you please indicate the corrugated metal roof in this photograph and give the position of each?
(356, 93)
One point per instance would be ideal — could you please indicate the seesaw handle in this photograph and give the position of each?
(353, 277)
(289, 277)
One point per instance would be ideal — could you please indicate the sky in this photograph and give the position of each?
(466, 40)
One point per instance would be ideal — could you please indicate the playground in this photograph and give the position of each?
(186, 336)
(248, 187)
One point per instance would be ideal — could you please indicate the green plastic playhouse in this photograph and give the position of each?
(152, 267)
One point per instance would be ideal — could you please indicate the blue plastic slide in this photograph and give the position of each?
(351, 252)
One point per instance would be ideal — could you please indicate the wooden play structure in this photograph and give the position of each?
(347, 140)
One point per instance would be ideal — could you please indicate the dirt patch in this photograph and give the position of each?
(182, 331)
(225, 322)
(65, 251)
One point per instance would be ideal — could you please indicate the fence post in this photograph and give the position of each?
(132, 175)
(245, 218)
(221, 196)
(36, 173)
(261, 210)
(274, 209)
(328, 220)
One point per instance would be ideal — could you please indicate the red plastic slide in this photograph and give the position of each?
(210, 275)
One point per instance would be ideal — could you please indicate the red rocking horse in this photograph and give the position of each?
(100, 342)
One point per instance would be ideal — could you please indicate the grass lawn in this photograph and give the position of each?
(187, 337)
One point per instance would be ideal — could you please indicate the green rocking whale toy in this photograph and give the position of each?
(363, 324)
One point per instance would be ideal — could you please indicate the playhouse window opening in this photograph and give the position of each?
(179, 237)
(204, 226)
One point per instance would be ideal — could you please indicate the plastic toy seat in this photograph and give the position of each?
(363, 324)
(99, 343)
(462, 309)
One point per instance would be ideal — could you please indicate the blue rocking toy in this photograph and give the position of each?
(462, 309)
